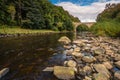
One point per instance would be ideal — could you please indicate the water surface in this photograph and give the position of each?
(27, 56)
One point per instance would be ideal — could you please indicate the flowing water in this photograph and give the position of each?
(27, 56)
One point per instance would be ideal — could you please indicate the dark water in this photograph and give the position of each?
(27, 56)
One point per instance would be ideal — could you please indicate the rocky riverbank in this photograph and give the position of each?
(90, 58)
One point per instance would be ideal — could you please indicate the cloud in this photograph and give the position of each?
(87, 13)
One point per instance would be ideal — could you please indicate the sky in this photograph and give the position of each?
(85, 10)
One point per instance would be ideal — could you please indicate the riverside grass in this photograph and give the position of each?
(106, 28)
(17, 30)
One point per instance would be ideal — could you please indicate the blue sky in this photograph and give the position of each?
(81, 2)
(85, 10)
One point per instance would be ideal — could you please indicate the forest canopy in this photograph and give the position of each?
(35, 14)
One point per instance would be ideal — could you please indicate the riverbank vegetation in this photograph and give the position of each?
(82, 27)
(35, 14)
(108, 22)
(17, 30)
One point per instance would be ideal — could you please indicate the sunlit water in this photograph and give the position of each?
(27, 56)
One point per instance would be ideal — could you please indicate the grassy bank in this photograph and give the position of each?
(106, 28)
(6, 30)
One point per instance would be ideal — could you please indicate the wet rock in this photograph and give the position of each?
(64, 72)
(48, 69)
(71, 63)
(64, 40)
(100, 68)
(99, 51)
(3, 72)
(77, 54)
(117, 75)
(88, 59)
(67, 46)
(117, 64)
(69, 52)
(100, 76)
(107, 65)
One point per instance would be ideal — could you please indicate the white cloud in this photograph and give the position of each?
(86, 13)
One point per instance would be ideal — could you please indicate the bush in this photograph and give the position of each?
(82, 27)
(110, 28)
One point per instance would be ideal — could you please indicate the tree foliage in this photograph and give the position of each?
(108, 22)
(82, 27)
(35, 14)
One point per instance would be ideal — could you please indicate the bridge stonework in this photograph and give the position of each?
(76, 24)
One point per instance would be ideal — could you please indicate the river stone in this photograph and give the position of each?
(71, 63)
(117, 75)
(69, 52)
(117, 64)
(102, 58)
(107, 65)
(3, 72)
(77, 42)
(117, 57)
(64, 40)
(109, 52)
(99, 51)
(100, 76)
(67, 46)
(88, 59)
(77, 49)
(87, 78)
(100, 68)
(65, 73)
(77, 54)
(87, 69)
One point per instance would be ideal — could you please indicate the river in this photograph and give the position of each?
(27, 56)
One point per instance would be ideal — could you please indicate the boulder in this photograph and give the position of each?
(108, 65)
(100, 68)
(99, 51)
(117, 75)
(3, 72)
(117, 64)
(64, 40)
(88, 59)
(71, 63)
(65, 73)
(100, 76)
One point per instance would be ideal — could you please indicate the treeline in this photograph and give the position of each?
(35, 14)
(108, 22)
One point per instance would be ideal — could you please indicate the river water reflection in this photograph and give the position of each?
(27, 56)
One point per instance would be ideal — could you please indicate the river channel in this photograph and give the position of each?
(27, 56)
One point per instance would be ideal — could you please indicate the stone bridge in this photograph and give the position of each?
(76, 24)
